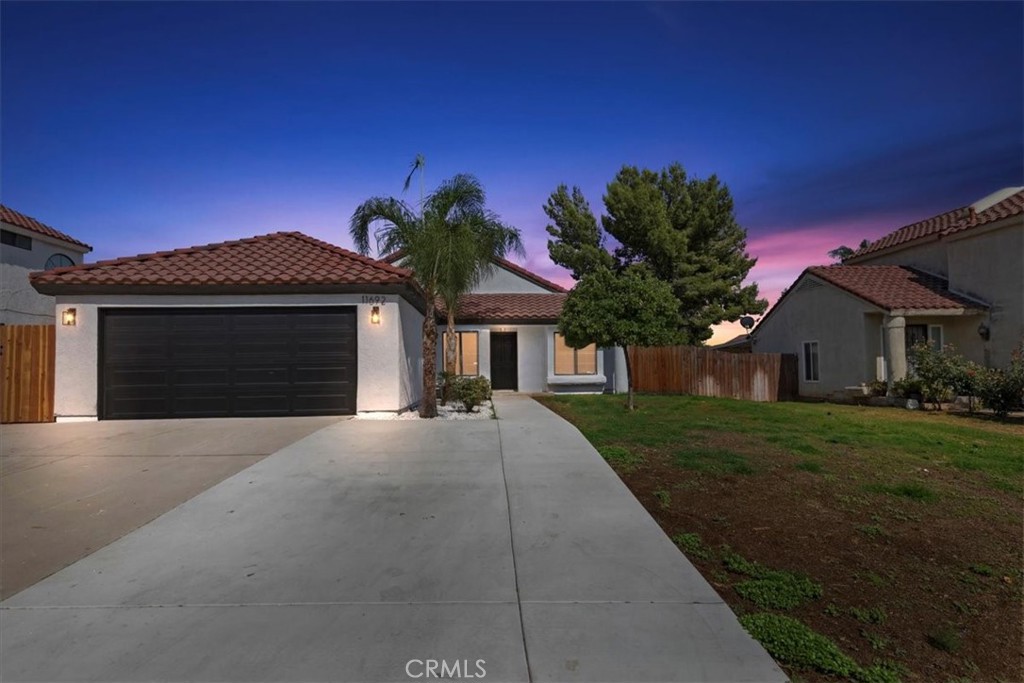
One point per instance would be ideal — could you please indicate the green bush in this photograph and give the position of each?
(471, 391)
(908, 387)
(1003, 390)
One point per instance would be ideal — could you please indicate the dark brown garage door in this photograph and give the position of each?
(227, 362)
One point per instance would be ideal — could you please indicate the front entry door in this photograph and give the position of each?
(504, 361)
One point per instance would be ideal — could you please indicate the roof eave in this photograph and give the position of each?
(935, 312)
(409, 292)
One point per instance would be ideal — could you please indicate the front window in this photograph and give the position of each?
(467, 353)
(570, 361)
(810, 358)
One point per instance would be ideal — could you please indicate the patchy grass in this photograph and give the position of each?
(888, 533)
(911, 490)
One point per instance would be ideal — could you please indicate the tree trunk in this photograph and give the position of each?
(428, 404)
(629, 380)
(450, 358)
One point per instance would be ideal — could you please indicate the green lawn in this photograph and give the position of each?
(892, 537)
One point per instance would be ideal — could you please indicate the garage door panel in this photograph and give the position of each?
(224, 362)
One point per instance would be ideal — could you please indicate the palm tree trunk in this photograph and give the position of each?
(428, 404)
(450, 357)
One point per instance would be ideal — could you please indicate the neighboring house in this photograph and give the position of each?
(738, 344)
(956, 278)
(26, 245)
(507, 332)
(281, 324)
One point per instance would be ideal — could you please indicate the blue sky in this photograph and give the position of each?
(144, 126)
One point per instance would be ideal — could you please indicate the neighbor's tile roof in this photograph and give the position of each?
(496, 308)
(936, 225)
(12, 217)
(1011, 206)
(281, 258)
(503, 263)
(894, 287)
(951, 222)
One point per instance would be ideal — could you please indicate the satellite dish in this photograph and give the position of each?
(747, 322)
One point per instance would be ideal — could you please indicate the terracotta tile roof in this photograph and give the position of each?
(278, 259)
(1011, 206)
(503, 263)
(949, 223)
(9, 215)
(507, 308)
(936, 225)
(895, 287)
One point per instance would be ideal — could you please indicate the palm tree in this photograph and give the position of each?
(449, 247)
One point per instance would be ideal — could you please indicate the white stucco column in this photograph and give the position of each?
(896, 346)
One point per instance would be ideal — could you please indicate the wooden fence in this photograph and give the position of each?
(705, 372)
(26, 382)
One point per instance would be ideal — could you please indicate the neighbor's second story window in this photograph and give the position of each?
(570, 361)
(14, 239)
(467, 353)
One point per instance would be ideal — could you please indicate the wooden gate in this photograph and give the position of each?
(706, 372)
(26, 382)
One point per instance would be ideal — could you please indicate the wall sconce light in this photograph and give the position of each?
(984, 332)
(375, 315)
(69, 317)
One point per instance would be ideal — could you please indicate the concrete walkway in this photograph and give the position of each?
(368, 548)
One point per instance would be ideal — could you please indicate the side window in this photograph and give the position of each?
(810, 361)
(58, 261)
(935, 337)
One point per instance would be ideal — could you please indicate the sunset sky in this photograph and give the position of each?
(145, 126)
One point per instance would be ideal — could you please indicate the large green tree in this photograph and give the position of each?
(683, 229)
(448, 247)
(626, 308)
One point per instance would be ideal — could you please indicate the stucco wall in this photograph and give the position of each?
(19, 303)
(836, 320)
(535, 349)
(988, 265)
(382, 354)
(931, 257)
(503, 281)
(410, 381)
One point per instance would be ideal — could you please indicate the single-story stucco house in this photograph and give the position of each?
(956, 278)
(507, 332)
(28, 245)
(285, 324)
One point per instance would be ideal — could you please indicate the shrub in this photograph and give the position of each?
(908, 387)
(878, 387)
(934, 368)
(471, 391)
(445, 380)
(1003, 390)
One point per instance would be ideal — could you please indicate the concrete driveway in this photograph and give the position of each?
(502, 549)
(67, 490)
